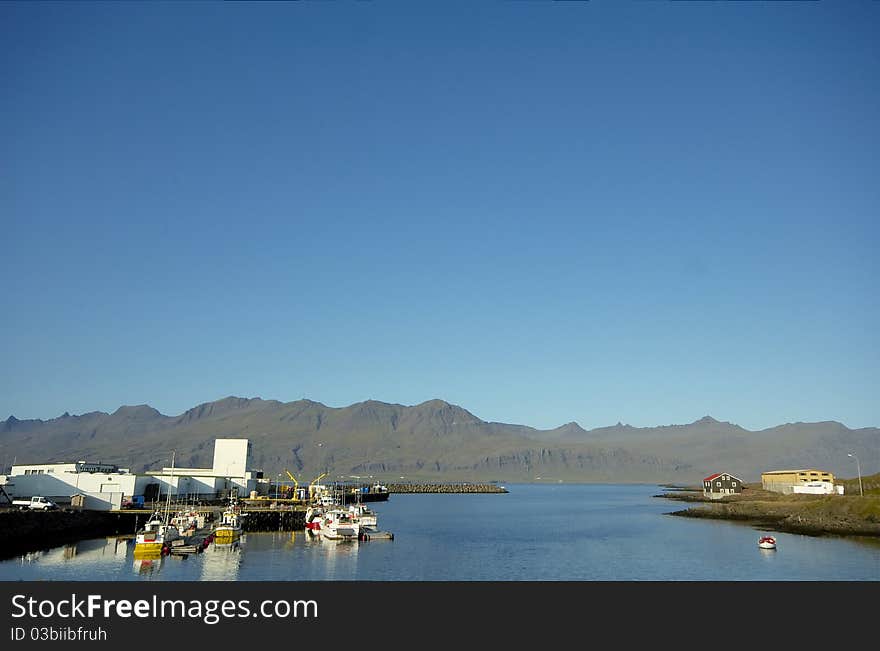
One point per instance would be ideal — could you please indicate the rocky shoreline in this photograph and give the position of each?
(813, 515)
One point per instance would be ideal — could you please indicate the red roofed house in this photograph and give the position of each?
(721, 484)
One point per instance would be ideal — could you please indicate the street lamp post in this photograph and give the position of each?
(322, 454)
(859, 470)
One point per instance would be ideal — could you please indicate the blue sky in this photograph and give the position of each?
(543, 212)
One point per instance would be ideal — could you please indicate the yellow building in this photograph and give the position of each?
(784, 481)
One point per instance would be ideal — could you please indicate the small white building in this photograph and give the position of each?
(818, 488)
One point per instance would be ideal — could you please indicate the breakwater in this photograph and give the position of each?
(446, 488)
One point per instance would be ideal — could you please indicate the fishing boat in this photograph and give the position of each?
(155, 537)
(339, 523)
(188, 522)
(158, 532)
(767, 542)
(313, 519)
(228, 528)
(364, 515)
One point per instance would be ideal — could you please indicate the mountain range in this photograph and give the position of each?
(433, 440)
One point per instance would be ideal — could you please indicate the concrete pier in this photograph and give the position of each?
(273, 520)
(26, 531)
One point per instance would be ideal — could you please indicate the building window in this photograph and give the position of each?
(718, 484)
(733, 484)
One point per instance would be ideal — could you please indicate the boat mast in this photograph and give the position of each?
(170, 487)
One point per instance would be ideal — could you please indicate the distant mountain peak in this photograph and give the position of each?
(309, 401)
(219, 407)
(441, 405)
(435, 402)
(706, 420)
(237, 400)
(137, 411)
(570, 429)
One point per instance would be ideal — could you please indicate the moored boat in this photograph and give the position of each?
(158, 532)
(313, 519)
(188, 522)
(339, 524)
(767, 542)
(155, 537)
(364, 515)
(228, 529)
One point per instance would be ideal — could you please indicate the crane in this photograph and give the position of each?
(295, 484)
(315, 481)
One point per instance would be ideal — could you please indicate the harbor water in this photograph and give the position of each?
(560, 532)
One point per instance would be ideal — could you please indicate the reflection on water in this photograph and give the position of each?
(222, 561)
(148, 565)
(339, 556)
(110, 550)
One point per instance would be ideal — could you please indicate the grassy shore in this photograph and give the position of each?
(870, 485)
(816, 515)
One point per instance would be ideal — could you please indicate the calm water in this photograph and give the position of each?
(562, 532)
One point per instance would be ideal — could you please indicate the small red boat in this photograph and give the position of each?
(767, 542)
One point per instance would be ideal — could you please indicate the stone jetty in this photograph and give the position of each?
(463, 487)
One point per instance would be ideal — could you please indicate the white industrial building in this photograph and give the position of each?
(229, 471)
(106, 486)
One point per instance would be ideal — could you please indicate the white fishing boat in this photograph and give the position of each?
(364, 515)
(338, 523)
(188, 522)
